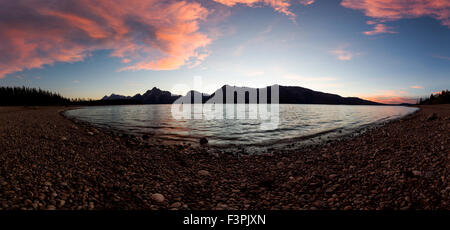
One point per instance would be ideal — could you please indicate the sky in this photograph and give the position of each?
(389, 51)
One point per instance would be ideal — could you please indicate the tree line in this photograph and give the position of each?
(25, 96)
(30, 96)
(440, 98)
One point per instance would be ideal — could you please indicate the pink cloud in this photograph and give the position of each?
(307, 2)
(380, 29)
(281, 6)
(391, 99)
(417, 87)
(390, 10)
(150, 34)
(342, 54)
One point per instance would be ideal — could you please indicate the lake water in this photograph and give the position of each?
(296, 122)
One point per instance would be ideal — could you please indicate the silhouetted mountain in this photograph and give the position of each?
(287, 95)
(156, 96)
(193, 97)
(153, 96)
(300, 95)
(115, 97)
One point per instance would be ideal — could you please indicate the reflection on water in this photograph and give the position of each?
(296, 121)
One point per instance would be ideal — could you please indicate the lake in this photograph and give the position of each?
(296, 122)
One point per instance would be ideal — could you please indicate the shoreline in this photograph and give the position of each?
(291, 144)
(50, 162)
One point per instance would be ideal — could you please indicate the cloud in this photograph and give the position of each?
(391, 97)
(391, 10)
(281, 6)
(442, 57)
(307, 2)
(380, 29)
(150, 34)
(342, 54)
(417, 87)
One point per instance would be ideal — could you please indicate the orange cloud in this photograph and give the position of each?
(391, 100)
(390, 10)
(417, 87)
(380, 29)
(391, 97)
(152, 34)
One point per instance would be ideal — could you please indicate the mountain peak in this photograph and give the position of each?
(287, 95)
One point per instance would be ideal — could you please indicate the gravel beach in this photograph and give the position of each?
(48, 162)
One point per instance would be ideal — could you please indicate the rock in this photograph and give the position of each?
(61, 203)
(145, 137)
(90, 133)
(203, 173)
(280, 165)
(158, 197)
(91, 205)
(417, 173)
(175, 205)
(432, 117)
(64, 138)
(42, 196)
(317, 204)
(28, 202)
(203, 141)
(51, 207)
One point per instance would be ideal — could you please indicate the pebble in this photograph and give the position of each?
(175, 205)
(280, 165)
(203, 173)
(203, 141)
(158, 197)
(61, 203)
(372, 172)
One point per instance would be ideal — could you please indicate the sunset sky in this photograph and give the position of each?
(389, 51)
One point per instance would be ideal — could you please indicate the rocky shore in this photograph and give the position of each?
(48, 162)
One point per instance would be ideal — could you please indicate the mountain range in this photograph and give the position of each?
(287, 95)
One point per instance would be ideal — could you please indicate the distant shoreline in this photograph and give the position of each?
(49, 162)
(257, 148)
